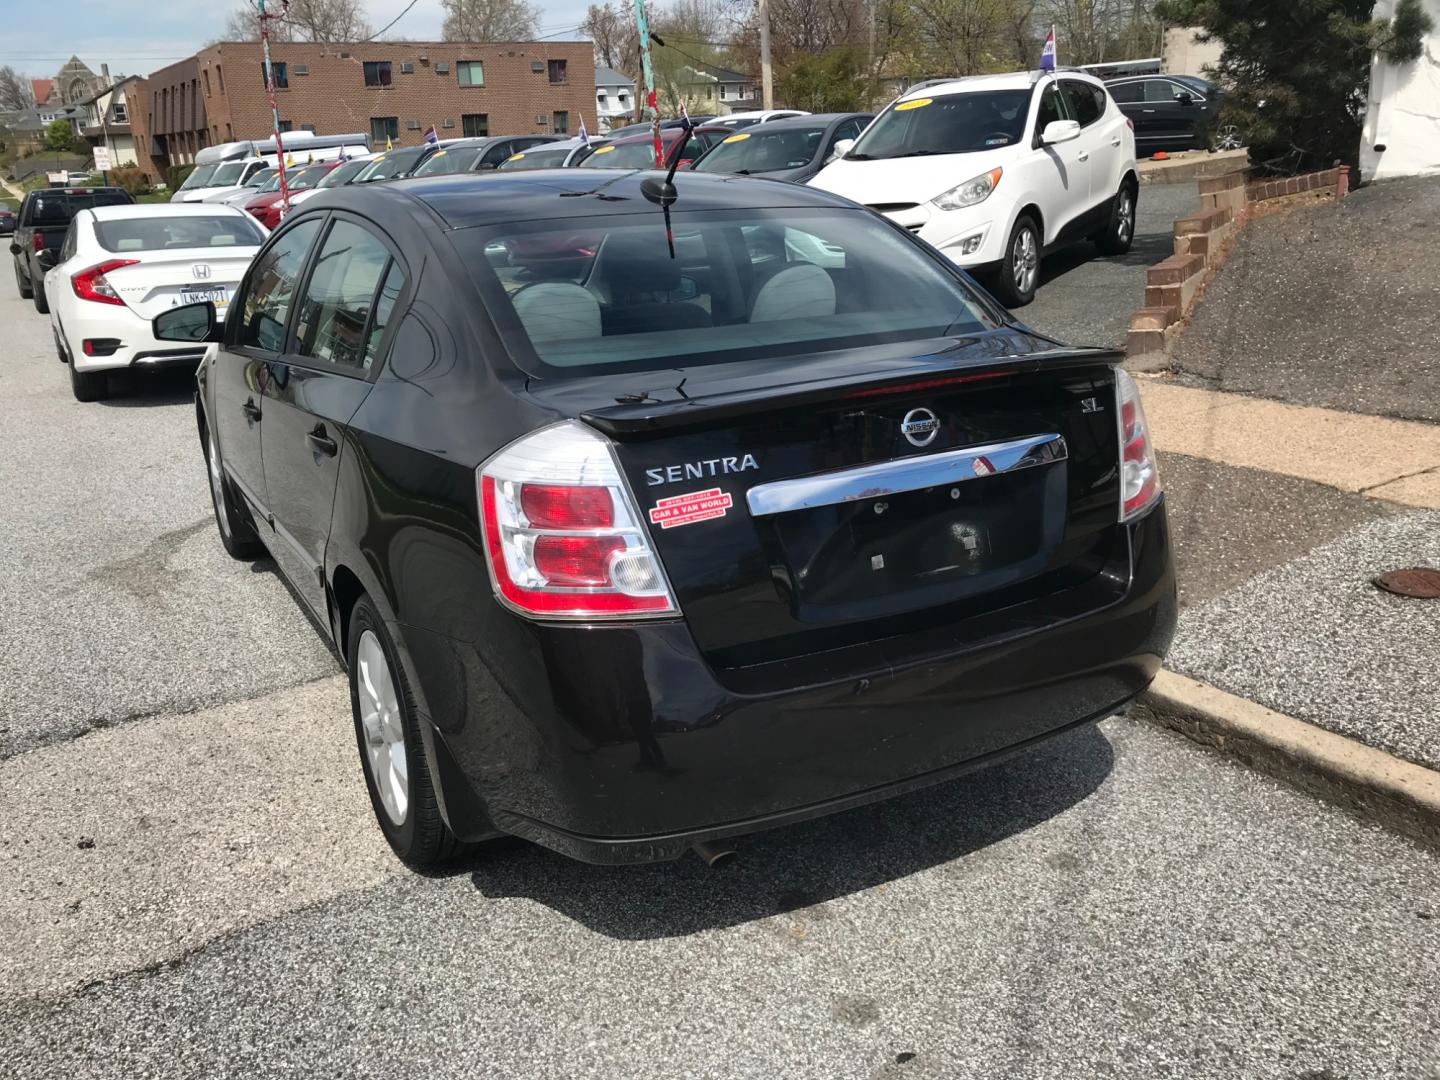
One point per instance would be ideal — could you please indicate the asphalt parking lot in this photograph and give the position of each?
(194, 887)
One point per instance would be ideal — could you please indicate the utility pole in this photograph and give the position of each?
(648, 73)
(265, 17)
(767, 77)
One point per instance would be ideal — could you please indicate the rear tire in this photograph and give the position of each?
(25, 291)
(88, 385)
(237, 530)
(42, 303)
(387, 733)
(1020, 269)
(1119, 231)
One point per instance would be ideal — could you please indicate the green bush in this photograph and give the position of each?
(176, 175)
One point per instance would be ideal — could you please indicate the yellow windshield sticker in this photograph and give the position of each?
(381, 157)
(737, 138)
(438, 153)
(918, 103)
(605, 149)
(515, 157)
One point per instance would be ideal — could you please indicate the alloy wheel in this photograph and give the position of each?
(384, 728)
(1126, 216)
(1026, 259)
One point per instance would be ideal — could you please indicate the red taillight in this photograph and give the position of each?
(548, 506)
(37, 242)
(91, 284)
(562, 535)
(1139, 481)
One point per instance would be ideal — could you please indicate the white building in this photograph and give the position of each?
(107, 124)
(1401, 136)
(614, 98)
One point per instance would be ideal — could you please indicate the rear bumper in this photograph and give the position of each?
(617, 745)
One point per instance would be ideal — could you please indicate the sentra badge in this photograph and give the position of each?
(699, 470)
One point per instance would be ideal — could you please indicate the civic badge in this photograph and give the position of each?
(920, 427)
(200, 270)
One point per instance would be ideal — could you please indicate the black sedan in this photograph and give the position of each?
(645, 517)
(794, 149)
(1168, 112)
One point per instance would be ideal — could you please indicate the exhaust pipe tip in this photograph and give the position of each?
(713, 854)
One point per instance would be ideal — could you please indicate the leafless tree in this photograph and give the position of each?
(305, 20)
(15, 92)
(490, 20)
(613, 34)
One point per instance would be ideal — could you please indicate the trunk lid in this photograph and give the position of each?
(166, 279)
(862, 501)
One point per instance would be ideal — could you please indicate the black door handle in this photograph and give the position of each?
(322, 442)
(252, 411)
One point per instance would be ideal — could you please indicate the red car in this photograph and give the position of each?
(266, 206)
(638, 151)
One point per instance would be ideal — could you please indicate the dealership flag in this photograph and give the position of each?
(431, 138)
(1047, 54)
(584, 135)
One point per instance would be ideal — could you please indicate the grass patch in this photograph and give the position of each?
(154, 197)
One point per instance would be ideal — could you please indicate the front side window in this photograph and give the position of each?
(1051, 109)
(332, 321)
(377, 72)
(470, 73)
(1084, 106)
(948, 124)
(278, 71)
(159, 233)
(271, 288)
(602, 295)
(1163, 91)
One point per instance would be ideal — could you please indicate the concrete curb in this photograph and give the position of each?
(1368, 782)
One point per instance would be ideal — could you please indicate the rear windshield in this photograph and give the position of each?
(199, 177)
(342, 174)
(177, 231)
(761, 151)
(949, 124)
(601, 295)
(59, 208)
(537, 159)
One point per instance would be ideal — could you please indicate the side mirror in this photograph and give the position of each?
(842, 148)
(1058, 131)
(1183, 97)
(46, 259)
(14, 249)
(190, 324)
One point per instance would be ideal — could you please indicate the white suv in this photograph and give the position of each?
(997, 169)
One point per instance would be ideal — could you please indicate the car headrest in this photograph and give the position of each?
(801, 291)
(557, 311)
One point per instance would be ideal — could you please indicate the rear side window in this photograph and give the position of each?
(604, 294)
(1084, 105)
(159, 233)
(1129, 93)
(333, 324)
(271, 289)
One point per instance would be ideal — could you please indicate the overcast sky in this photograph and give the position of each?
(37, 38)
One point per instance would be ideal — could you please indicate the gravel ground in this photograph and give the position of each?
(119, 601)
(1086, 298)
(1314, 639)
(1116, 904)
(1336, 305)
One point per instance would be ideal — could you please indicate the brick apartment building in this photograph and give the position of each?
(388, 89)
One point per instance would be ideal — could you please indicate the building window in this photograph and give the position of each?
(557, 71)
(377, 72)
(470, 73)
(286, 126)
(384, 127)
(119, 113)
(475, 125)
(207, 82)
(229, 133)
(220, 78)
(560, 123)
(280, 73)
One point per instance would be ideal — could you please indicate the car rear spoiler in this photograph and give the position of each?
(632, 418)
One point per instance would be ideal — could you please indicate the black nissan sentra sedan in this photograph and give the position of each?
(630, 552)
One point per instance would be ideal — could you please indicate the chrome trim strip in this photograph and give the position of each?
(905, 474)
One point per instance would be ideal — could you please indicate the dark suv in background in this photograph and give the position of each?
(44, 220)
(1170, 112)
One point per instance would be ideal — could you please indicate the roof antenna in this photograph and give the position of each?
(662, 192)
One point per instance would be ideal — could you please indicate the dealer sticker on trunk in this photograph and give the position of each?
(687, 509)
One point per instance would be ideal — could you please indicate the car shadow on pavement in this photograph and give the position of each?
(1144, 251)
(146, 389)
(799, 868)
